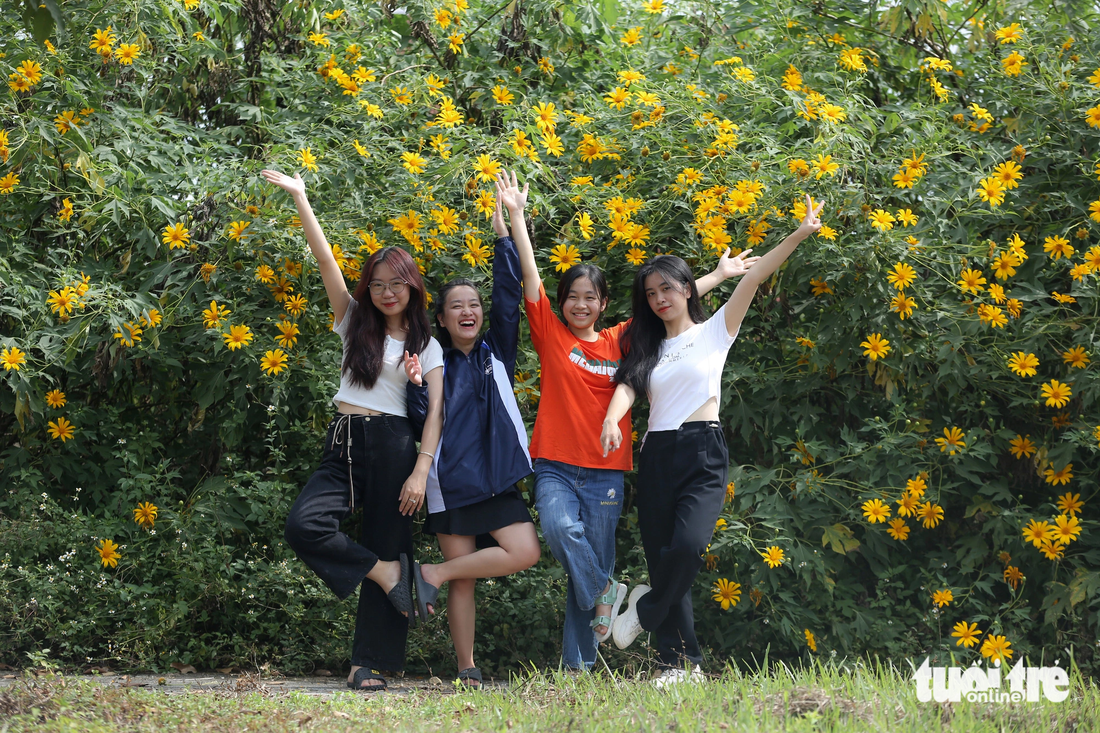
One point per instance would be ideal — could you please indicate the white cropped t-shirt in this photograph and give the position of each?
(388, 393)
(689, 372)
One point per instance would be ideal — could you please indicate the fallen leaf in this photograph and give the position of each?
(184, 668)
(322, 673)
(225, 670)
(339, 714)
(435, 681)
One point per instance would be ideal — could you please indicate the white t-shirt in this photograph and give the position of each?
(388, 393)
(688, 372)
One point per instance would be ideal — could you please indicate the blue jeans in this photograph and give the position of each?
(579, 509)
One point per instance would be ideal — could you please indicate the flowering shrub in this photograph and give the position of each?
(910, 407)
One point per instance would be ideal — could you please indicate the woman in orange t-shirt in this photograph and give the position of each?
(578, 491)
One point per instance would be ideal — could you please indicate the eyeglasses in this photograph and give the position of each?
(377, 287)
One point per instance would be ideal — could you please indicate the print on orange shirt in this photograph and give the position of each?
(596, 366)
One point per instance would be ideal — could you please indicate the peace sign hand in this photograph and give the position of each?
(811, 223)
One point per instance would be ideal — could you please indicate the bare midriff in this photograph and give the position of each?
(709, 411)
(356, 410)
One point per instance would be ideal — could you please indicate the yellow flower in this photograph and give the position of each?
(1056, 393)
(1038, 532)
(175, 235)
(1013, 64)
(810, 640)
(587, 226)
(902, 276)
(991, 191)
(654, 7)
(875, 511)
(617, 97)
(207, 270)
(486, 203)
(288, 333)
(522, 146)
(60, 429)
(967, 634)
(851, 60)
(917, 486)
(820, 287)
(274, 362)
(8, 183)
(636, 256)
(1070, 504)
(455, 41)
(1064, 299)
(55, 398)
(1062, 476)
(153, 318)
(903, 305)
(898, 529)
(132, 333)
(295, 304)
(62, 302)
(552, 144)
(875, 347)
(318, 39)
(632, 37)
(881, 219)
(726, 593)
(476, 253)
(971, 281)
(1066, 529)
(930, 514)
(238, 336)
(942, 597)
(1023, 364)
(126, 53)
(1008, 173)
(1058, 247)
(951, 441)
(1021, 446)
(997, 648)
(236, 229)
(307, 159)
(145, 514)
(501, 95)
(1010, 33)
(1013, 576)
(1052, 550)
(103, 41)
(413, 163)
(108, 553)
(1076, 357)
(1004, 267)
(823, 164)
(992, 315)
(565, 257)
(212, 316)
(486, 168)
(773, 556)
(265, 274)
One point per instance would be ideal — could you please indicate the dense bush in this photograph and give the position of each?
(166, 340)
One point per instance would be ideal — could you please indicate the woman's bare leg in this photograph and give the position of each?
(519, 550)
(461, 609)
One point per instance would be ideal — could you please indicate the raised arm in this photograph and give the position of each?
(611, 437)
(338, 295)
(727, 267)
(511, 197)
(739, 302)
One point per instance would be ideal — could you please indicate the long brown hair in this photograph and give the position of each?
(366, 334)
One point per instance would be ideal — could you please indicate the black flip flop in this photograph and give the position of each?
(363, 674)
(425, 593)
(401, 594)
(465, 676)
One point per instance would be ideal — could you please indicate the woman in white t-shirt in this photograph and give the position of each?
(370, 459)
(675, 354)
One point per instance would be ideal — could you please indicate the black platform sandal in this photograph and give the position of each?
(425, 593)
(362, 675)
(401, 594)
(466, 676)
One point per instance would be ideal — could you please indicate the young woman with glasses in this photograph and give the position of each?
(370, 460)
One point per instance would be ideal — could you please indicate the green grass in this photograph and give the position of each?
(819, 699)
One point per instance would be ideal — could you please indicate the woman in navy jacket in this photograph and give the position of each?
(471, 487)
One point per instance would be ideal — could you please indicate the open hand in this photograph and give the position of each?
(734, 266)
(412, 494)
(413, 370)
(499, 225)
(508, 192)
(811, 223)
(294, 186)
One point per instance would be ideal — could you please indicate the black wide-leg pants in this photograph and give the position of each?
(682, 478)
(383, 455)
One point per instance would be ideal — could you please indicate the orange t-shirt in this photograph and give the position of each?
(576, 388)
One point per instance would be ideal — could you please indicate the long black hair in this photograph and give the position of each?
(366, 334)
(576, 272)
(641, 339)
(442, 335)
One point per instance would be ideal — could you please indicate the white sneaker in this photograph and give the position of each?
(627, 626)
(675, 676)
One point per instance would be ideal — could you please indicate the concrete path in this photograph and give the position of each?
(318, 686)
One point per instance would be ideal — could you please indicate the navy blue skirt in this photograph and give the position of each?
(478, 520)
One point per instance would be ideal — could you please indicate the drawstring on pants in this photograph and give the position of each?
(344, 422)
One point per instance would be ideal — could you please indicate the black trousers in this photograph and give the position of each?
(383, 454)
(682, 477)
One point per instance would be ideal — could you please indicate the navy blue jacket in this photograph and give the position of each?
(483, 449)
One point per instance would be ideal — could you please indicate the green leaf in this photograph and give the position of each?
(839, 538)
